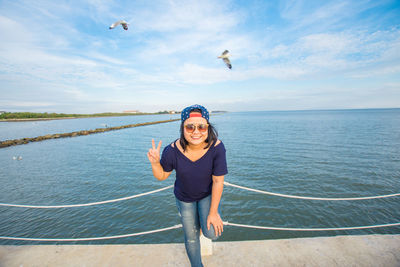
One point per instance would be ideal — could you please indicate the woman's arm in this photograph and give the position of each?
(216, 193)
(159, 172)
(154, 157)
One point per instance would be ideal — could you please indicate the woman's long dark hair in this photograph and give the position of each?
(211, 138)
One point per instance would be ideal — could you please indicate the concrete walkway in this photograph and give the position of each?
(363, 250)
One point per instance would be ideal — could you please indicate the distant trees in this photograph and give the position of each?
(45, 115)
(31, 115)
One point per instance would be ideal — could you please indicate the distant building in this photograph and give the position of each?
(2, 112)
(131, 111)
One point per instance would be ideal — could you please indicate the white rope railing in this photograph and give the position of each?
(180, 225)
(90, 238)
(86, 204)
(311, 229)
(305, 197)
(167, 187)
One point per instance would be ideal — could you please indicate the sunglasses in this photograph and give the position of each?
(190, 128)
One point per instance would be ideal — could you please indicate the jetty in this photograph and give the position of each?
(27, 140)
(348, 250)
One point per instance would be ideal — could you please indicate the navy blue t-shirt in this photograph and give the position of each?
(194, 179)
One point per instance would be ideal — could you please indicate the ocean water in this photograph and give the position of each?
(338, 153)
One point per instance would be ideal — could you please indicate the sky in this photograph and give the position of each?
(60, 56)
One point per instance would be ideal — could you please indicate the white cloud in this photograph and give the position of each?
(24, 104)
(171, 16)
(195, 74)
(327, 43)
(14, 32)
(105, 58)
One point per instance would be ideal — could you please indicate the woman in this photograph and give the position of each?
(198, 158)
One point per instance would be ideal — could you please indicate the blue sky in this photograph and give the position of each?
(60, 56)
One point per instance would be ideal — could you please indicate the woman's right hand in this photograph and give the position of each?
(154, 153)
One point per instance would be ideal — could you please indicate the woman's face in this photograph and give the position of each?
(197, 136)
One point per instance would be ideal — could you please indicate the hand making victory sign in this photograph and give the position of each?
(154, 153)
(154, 157)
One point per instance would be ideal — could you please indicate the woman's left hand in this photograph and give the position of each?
(216, 221)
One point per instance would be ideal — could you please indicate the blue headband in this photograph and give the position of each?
(186, 112)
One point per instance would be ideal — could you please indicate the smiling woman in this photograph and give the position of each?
(199, 159)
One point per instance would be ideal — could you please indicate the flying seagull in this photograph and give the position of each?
(122, 22)
(225, 57)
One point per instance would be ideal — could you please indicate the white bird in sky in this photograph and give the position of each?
(225, 57)
(122, 22)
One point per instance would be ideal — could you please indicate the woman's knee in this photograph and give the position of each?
(210, 234)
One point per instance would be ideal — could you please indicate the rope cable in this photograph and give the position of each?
(167, 187)
(180, 225)
(87, 204)
(311, 229)
(91, 238)
(309, 198)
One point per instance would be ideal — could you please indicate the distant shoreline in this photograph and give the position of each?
(74, 117)
(40, 119)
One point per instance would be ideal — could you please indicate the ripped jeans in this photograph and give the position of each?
(193, 216)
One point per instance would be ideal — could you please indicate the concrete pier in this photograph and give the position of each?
(362, 250)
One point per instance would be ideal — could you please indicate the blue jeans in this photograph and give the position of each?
(193, 216)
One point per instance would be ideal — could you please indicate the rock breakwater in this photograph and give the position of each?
(22, 141)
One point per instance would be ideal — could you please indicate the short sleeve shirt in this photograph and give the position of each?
(194, 178)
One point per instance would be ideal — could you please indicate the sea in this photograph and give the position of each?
(319, 153)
